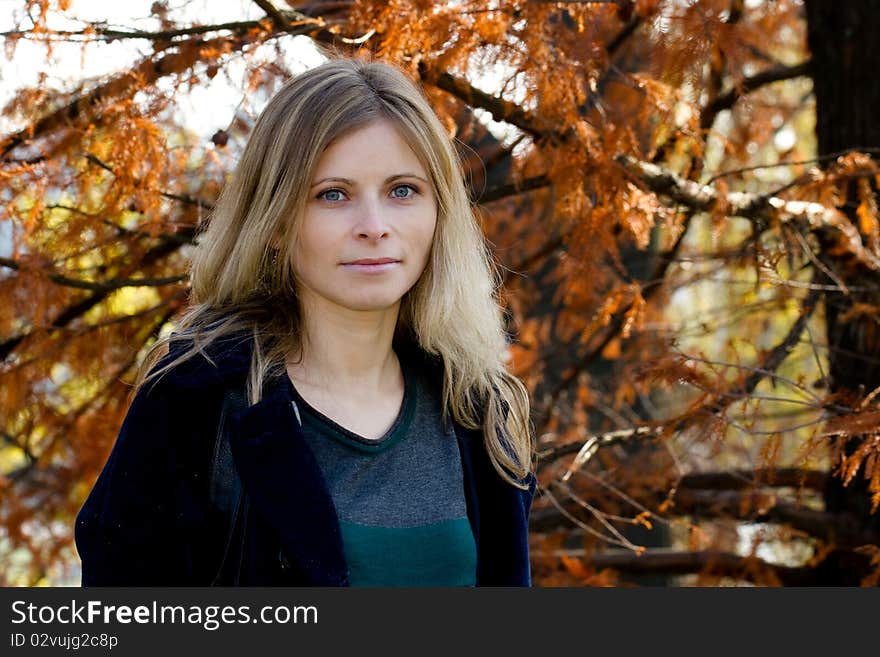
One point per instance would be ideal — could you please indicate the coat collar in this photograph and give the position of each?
(283, 480)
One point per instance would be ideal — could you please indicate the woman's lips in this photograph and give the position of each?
(372, 268)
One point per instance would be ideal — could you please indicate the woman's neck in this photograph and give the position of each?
(346, 349)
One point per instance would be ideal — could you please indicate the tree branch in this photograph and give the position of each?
(546, 249)
(593, 442)
(501, 110)
(109, 34)
(616, 323)
(149, 70)
(99, 286)
(717, 64)
(840, 529)
(669, 562)
(625, 33)
(749, 84)
(512, 189)
(769, 364)
(33, 472)
(759, 477)
(81, 307)
(775, 356)
(761, 209)
(754, 506)
(181, 198)
(272, 12)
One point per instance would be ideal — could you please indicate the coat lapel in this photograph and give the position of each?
(282, 477)
(502, 535)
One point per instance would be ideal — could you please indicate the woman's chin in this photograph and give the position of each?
(371, 305)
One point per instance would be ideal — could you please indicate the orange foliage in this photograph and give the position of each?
(638, 309)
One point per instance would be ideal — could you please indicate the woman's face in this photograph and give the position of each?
(370, 200)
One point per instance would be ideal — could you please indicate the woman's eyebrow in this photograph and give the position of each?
(352, 183)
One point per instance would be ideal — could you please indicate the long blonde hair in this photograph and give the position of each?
(242, 278)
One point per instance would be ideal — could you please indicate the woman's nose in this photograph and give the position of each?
(372, 220)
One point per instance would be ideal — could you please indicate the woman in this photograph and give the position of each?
(345, 289)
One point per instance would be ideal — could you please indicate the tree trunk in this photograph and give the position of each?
(843, 38)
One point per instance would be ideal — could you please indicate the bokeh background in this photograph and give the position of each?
(680, 196)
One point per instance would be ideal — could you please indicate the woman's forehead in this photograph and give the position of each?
(373, 150)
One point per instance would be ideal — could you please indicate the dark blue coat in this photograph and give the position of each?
(148, 521)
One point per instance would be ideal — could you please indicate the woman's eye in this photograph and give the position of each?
(331, 195)
(403, 191)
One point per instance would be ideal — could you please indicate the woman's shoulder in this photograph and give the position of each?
(216, 363)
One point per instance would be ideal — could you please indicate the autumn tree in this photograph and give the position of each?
(680, 197)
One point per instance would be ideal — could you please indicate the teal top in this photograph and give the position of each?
(399, 499)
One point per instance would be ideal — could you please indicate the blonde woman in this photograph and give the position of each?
(343, 288)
